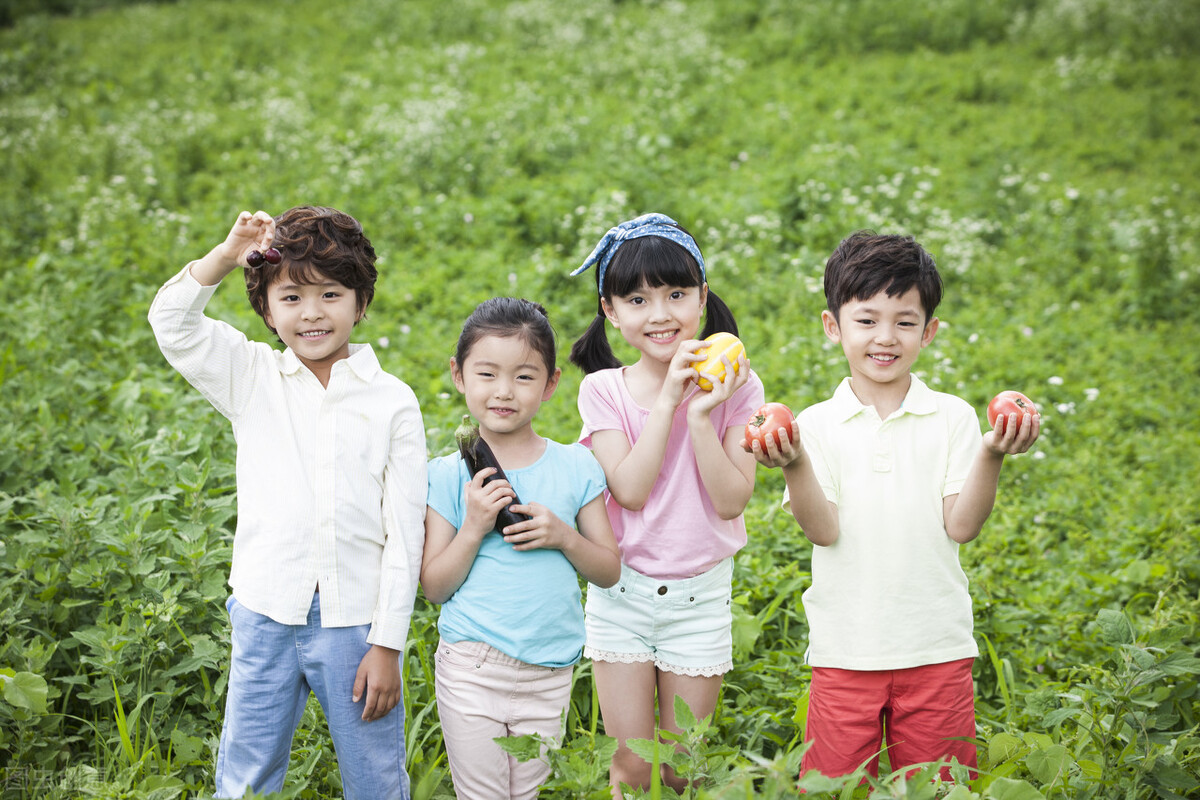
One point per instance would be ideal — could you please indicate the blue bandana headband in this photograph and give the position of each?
(645, 225)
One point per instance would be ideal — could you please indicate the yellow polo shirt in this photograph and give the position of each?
(889, 593)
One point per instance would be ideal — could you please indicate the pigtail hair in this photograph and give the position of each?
(718, 317)
(591, 351)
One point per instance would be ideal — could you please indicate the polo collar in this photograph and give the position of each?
(920, 399)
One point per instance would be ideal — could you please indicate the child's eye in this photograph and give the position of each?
(634, 301)
(678, 294)
(290, 298)
(865, 321)
(332, 295)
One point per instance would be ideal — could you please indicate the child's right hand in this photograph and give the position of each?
(484, 502)
(251, 232)
(681, 372)
(777, 455)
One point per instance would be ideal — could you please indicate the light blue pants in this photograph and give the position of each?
(272, 670)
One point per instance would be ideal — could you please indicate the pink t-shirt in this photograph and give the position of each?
(677, 534)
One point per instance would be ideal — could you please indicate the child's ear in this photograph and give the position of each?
(931, 329)
(456, 375)
(609, 312)
(551, 385)
(830, 324)
(703, 296)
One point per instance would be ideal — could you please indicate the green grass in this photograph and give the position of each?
(1044, 150)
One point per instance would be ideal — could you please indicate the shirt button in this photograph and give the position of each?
(662, 590)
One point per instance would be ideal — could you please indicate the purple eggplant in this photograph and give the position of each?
(477, 455)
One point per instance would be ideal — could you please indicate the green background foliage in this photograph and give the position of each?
(1044, 150)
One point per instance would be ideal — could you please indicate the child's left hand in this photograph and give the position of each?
(704, 402)
(543, 530)
(1018, 435)
(379, 676)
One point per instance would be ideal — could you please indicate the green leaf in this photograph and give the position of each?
(1049, 764)
(24, 690)
(1115, 628)
(1009, 789)
(1004, 746)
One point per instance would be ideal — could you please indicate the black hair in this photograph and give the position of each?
(645, 261)
(866, 263)
(510, 316)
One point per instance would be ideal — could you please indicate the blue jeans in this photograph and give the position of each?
(272, 669)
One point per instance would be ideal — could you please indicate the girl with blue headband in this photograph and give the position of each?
(678, 482)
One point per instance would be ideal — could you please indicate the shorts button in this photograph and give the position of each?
(622, 588)
(691, 599)
(662, 590)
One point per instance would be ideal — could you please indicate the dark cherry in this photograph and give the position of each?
(273, 256)
(255, 258)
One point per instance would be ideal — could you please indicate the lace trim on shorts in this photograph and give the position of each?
(620, 658)
(695, 672)
(637, 658)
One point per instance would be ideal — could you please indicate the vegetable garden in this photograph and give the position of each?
(1045, 151)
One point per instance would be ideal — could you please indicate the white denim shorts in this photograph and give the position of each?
(683, 626)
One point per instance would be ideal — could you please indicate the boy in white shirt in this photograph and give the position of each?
(331, 497)
(890, 479)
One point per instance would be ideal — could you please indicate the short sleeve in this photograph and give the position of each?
(744, 403)
(591, 474)
(600, 404)
(965, 439)
(447, 476)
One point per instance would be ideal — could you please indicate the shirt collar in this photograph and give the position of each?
(361, 361)
(920, 399)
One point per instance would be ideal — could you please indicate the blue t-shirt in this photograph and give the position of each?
(525, 604)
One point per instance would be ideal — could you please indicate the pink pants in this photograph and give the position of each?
(927, 712)
(483, 694)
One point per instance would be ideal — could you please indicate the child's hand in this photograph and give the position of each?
(543, 530)
(774, 455)
(1019, 434)
(251, 232)
(484, 501)
(681, 372)
(379, 677)
(705, 402)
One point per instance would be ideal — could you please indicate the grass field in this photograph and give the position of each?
(1044, 150)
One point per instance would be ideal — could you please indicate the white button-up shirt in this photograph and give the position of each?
(331, 480)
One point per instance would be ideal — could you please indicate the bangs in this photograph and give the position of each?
(650, 261)
(304, 273)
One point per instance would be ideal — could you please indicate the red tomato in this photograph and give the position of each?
(1006, 403)
(765, 423)
(719, 344)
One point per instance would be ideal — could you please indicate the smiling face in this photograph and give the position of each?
(315, 320)
(504, 382)
(881, 337)
(655, 320)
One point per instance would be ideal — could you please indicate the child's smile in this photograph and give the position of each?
(314, 320)
(881, 337)
(656, 319)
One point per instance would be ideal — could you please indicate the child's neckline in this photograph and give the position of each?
(545, 448)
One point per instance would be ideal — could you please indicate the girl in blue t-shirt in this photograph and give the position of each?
(511, 623)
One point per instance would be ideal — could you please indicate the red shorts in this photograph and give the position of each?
(927, 713)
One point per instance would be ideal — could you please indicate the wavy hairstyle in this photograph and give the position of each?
(317, 244)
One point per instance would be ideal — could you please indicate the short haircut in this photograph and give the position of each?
(866, 263)
(317, 244)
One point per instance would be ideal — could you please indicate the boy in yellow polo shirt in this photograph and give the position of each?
(887, 478)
